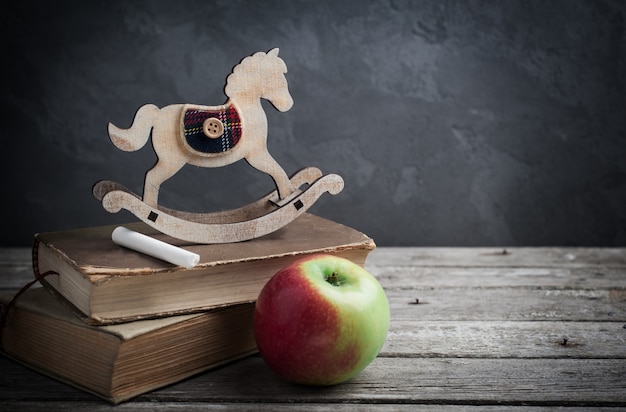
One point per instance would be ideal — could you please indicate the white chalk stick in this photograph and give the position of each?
(154, 247)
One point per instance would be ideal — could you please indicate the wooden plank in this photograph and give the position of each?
(482, 277)
(15, 268)
(596, 265)
(498, 257)
(464, 381)
(35, 406)
(505, 339)
(11, 255)
(20, 383)
(503, 304)
(453, 257)
(493, 304)
(425, 380)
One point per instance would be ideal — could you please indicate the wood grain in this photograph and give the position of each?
(523, 257)
(216, 136)
(389, 380)
(495, 304)
(534, 329)
(506, 339)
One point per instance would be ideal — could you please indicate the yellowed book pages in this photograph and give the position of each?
(123, 360)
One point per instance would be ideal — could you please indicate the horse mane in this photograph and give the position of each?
(250, 67)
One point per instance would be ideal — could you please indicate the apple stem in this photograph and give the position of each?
(333, 279)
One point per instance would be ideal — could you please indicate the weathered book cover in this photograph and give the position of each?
(107, 283)
(118, 362)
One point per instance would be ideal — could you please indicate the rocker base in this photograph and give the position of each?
(248, 222)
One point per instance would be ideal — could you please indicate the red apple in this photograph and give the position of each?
(321, 320)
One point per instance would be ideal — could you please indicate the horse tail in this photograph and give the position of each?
(135, 137)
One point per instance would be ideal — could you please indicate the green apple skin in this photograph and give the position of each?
(313, 332)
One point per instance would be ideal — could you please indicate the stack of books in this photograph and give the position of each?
(118, 323)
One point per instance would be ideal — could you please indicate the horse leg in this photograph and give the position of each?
(159, 173)
(170, 159)
(264, 162)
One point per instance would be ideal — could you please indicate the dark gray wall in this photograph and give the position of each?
(452, 122)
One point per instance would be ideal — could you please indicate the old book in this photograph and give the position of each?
(118, 362)
(107, 283)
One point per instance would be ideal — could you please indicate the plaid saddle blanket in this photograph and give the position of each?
(193, 119)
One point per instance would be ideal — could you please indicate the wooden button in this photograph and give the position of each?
(213, 127)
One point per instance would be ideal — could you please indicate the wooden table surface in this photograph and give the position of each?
(471, 328)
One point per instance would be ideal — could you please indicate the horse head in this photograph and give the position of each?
(262, 74)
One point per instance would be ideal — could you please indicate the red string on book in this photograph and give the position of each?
(38, 277)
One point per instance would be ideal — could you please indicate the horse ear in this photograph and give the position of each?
(273, 52)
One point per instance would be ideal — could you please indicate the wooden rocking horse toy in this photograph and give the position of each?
(214, 136)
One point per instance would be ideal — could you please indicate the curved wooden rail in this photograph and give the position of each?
(248, 222)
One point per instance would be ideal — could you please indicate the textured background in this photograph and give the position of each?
(452, 122)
